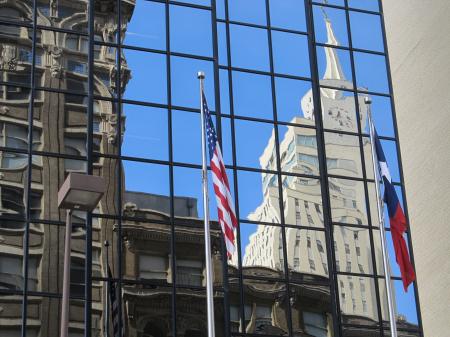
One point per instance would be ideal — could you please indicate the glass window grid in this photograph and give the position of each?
(168, 53)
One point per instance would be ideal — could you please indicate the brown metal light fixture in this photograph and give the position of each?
(81, 192)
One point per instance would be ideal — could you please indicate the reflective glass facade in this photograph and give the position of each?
(109, 87)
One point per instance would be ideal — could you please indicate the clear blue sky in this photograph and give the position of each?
(147, 134)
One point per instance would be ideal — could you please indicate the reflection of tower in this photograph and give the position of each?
(302, 196)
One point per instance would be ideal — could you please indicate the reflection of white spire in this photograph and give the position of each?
(334, 69)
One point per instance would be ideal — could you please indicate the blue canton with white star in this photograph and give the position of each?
(209, 127)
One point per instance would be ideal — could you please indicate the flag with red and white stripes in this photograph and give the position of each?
(225, 205)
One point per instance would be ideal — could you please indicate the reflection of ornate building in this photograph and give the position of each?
(147, 256)
(147, 259)
(59, 128)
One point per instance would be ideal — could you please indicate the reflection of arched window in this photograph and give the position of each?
(10, 14)
(76, 147)
(97, 47)
(16, 137)
(78, 43)
(11, 272)
(11, 202)
(79, 86)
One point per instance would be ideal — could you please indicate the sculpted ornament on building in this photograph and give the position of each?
(129, 209)
(109, 127)
(56, 68)
(8, 57)
(4, 110)
(124, 76)
(53, 9)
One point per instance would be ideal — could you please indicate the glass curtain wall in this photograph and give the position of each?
(110, 88)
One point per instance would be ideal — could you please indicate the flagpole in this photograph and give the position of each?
(209, 277)
(387, 272)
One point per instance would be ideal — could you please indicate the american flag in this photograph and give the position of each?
(225, 205)
(114, 304)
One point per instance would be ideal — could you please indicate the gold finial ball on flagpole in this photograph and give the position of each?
(201, 75)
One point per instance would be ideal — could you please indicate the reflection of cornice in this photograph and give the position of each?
(162, 233)
(188, 300)
(260, 271)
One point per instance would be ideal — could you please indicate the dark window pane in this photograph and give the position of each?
(249, 149)
(290, 53)
(371, 72)
(249, 47)
(185, 84)
(146, 133)
(190, 30)
(186, 137)
(252, 95)
(289, 14)
(147, 27)
(366, 31)
(251, 197)
(251, 11)
(294, 101)
(148, 76)
(371, 5)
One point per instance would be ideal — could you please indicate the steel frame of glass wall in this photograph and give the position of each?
(227, 69)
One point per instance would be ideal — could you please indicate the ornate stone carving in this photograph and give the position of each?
(111, 128)
(124, 76)
(8, 57)
(4, 110)
(53, 8)
(56, 68)
(129, 209)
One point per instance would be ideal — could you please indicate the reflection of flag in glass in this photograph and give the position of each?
(114, 303)
(225, 205)
(396, 218)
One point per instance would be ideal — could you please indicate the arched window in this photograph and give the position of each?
(77, 42)
(16, 137)
(77, 147)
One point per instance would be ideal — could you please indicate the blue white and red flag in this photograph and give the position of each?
(397, 218)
